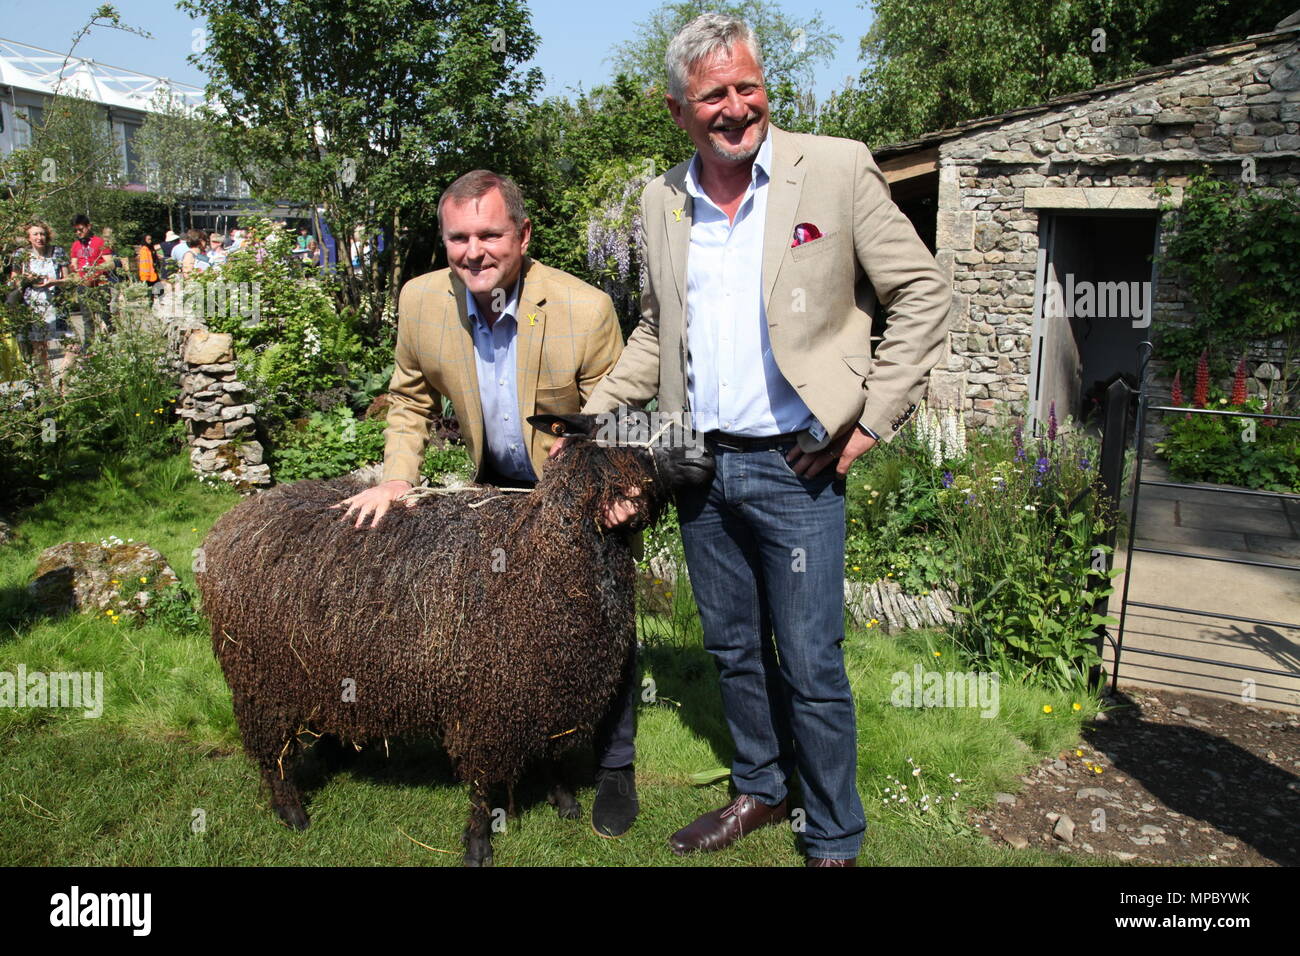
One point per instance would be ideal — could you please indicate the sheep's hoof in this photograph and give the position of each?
(572, 810)
(566, 805)
(293, 817)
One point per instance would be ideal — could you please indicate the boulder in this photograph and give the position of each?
(93, 578)
(208, 348)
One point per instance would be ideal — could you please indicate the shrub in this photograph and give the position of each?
(326, 445)
(1022, 529)
(297, 347)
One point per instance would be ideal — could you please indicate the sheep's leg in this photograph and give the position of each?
(286, 798)
(275, 748)
(559, 795)
(478, 833)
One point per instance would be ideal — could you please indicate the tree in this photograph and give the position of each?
(367, 109)
(933, 64)
(791, 48)
(180, 150)
(72, 156)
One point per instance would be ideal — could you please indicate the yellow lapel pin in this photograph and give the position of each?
(532, 318)
(677, 215)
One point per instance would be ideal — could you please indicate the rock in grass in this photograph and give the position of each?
(92, 578)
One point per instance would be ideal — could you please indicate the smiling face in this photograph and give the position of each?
(725, 111)
(38, 237)
(484, 247)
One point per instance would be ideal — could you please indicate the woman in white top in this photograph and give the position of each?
(41, 271)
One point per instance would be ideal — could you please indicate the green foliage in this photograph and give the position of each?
(892, 512)
(297, 347)
(578, 150)
(449, 461)
(1022, 532)
(369, 109)
(1236, 249)
(1234, 451)
(115, 401)
(326, 445)
(180, 150)
(933, 64)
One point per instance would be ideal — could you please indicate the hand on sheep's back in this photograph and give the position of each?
(621, 511)
(376, 501)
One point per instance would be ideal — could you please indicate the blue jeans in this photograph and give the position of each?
(765, 551)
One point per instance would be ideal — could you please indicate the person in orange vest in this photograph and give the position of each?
(148, 262)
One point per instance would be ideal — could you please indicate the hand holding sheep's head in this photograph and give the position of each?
(636, 458)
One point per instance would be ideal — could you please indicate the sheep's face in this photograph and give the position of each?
(632, 449)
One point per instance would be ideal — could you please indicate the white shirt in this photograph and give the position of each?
(732, 377)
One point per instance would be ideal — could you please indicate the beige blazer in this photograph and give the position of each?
(569, 338)
(820, 295)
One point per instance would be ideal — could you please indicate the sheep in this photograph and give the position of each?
(499, 624)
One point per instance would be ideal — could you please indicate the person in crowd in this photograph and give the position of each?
(147, 261)
(92, 261)
(40, 272)
(195, 259)
(216, 251)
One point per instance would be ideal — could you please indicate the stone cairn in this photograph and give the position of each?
(220, 420)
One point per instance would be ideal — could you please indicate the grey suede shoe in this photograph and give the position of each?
(615, 808)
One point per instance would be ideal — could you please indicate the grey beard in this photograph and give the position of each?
(741, 157)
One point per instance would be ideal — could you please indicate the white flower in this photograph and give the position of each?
(1030, 508)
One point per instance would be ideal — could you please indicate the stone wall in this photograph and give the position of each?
(1107, 149)
(222, 429)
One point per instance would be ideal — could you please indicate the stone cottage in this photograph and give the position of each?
(1047, 217)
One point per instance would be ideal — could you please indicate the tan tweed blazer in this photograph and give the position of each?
(569, 338)
(820, 295)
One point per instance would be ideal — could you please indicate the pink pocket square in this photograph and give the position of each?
(805, 232)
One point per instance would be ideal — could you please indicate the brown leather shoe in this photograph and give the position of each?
(721, 828)
(827, 861)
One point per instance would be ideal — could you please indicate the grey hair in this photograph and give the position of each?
(701, 38)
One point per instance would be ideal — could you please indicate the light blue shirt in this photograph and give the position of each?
(732, 377)
(495, 358)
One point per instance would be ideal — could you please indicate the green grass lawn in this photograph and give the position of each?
(130, 787)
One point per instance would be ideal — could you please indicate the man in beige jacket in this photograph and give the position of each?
(767, 254)
(504, 337)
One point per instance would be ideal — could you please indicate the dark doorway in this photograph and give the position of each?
(1093, 307)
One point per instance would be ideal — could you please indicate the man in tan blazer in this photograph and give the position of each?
(767, 254)
(504, 337)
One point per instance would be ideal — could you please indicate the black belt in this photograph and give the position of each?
(747, 442)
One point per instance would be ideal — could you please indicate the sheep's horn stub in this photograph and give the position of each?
(564, 426)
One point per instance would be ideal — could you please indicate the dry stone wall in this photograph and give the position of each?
(219, 415)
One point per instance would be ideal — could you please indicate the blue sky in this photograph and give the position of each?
(577, 36)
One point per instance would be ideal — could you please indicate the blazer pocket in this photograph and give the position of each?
(806, 250)
(561, 400)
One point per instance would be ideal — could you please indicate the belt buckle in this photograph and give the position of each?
(728, 446)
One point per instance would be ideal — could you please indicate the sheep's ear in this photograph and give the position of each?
(563, 426)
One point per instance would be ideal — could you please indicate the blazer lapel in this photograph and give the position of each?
(783, 190)
(471, 415)
(530, 325)
(677, 220)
